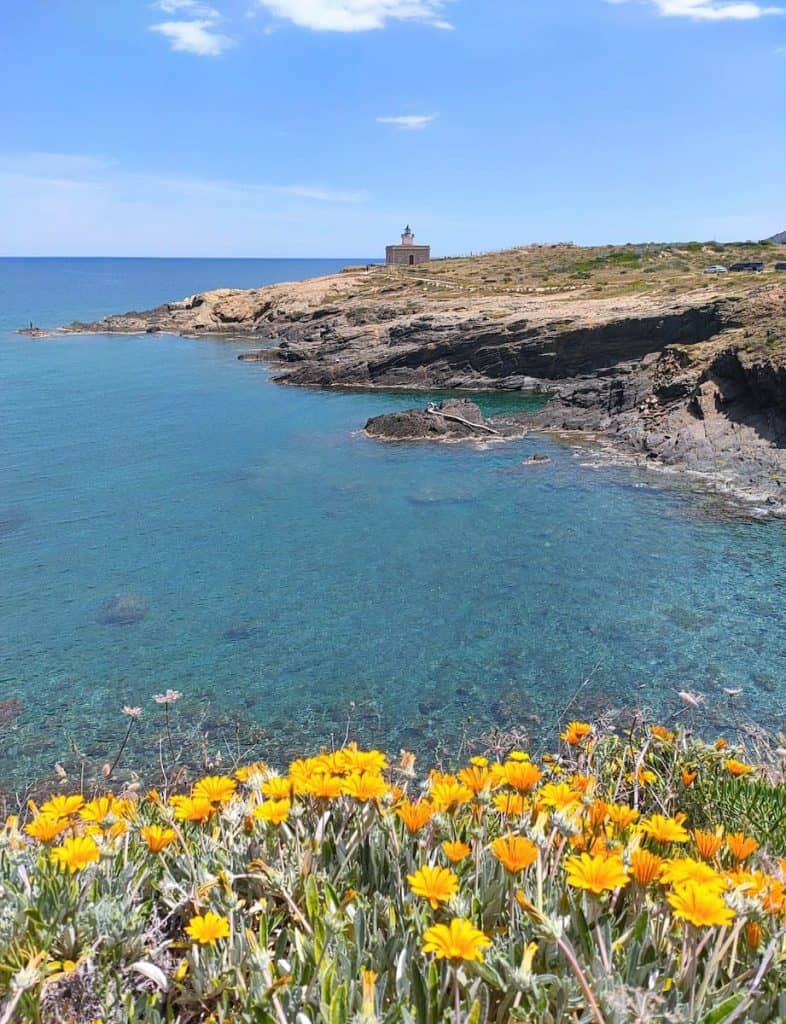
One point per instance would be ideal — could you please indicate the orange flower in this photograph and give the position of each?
(753, 935)
(596, 873)
(247, 771)
(350, 759)
(708, 843)
(596, 814)
(575, 732)
(157, 838)
(415, 815)
(731, 764)
(434, 884)
(688, 777)
(721, 743)
(662, 733)
(646, 866)
(514, 852)
(460, 940)
(702, 907)
(521, 775)
(456, 851)
(740, 846)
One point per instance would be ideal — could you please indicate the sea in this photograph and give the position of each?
(172, 519)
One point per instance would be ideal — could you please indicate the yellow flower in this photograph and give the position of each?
(460, 940)
(350, 759)
(558, 795)
(514, 852)
(434, 884)
(599, 873)
(218, 789)
(75, 853)
(365, 786)
(192, 808)
(664, 830)
(274, 811)
(46, 827)
(207, 928)
(247, 771)
(645, 866)
(104, 807)
(416, 815)
(680, 871)
(740, 846)
(62, 806)
(455, 850)
(278, 787)
(575, 733)
(511, 803)
(368, 981)
(478, 778)
(323, 786)
(703, 907)
(447, 794)
(521, 775)
(622, 815)
(708, 843)
(731, 764)
(157, 837)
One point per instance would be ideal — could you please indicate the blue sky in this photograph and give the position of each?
(319, 127)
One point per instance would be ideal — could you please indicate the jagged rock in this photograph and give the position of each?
(10, 708)
(122, 610)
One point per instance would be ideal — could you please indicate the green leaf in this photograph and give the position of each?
(722, 1011)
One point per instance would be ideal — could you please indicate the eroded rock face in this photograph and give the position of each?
(455, 419)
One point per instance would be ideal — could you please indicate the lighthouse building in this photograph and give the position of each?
(407, 254)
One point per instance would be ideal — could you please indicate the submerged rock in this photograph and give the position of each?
(536, 460)
(245, 630)
(11, 520)
(9, 709)
(122, 610)
(450, 420)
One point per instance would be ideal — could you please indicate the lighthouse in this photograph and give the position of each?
(407, 254)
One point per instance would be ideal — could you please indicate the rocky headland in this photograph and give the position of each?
(636, 343)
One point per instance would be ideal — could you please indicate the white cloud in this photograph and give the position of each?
(712, 10)
(54, 203)
(356, 15)
(197, 37)
(411, 122)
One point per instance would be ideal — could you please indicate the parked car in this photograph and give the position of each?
(780, 266)
(716, 269)
(755, 265)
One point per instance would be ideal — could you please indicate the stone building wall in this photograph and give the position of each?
(407, 255)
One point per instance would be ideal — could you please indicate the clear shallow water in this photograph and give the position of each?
(297, 575)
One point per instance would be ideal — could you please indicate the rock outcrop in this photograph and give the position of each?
(453, 420)
(679, 367)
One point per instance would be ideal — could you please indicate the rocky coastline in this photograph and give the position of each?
(675, 369)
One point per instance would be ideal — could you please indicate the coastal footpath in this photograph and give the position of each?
(636, 344)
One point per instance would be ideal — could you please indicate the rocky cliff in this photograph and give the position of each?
(636, 343)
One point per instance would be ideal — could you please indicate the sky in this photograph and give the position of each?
(286, 128)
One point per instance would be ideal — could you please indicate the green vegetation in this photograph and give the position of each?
(630, 876)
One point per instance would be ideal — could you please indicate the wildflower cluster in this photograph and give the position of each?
(589, 885)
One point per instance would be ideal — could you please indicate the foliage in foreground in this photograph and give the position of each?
(577, 889)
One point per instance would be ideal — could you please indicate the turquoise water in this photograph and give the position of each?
(298, 580)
